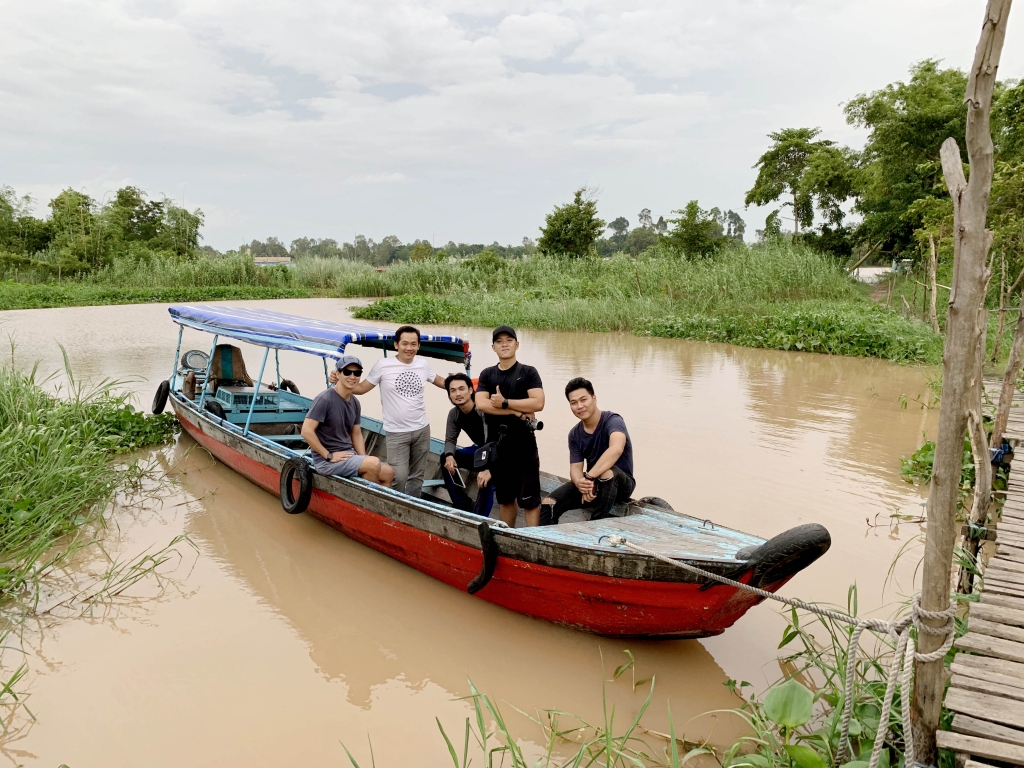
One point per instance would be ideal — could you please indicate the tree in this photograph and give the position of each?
(619, 226)
(781, 170)
(907, 123)
(644, 219)
(640, 239)
(660, 225)
(696, 232)
(421, 251)
(734, 225)
(573, 228)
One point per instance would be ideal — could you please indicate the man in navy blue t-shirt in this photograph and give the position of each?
(601, 442)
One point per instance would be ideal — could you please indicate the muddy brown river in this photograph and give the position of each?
(280, 639)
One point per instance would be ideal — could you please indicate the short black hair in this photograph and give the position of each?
(578, 383)
(457, 377)
(406, 329)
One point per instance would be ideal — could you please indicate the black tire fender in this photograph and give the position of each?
(786, 554)
(296, 469)
(289, 385)
(489, 548)
(214, 407)
(160, 398)
(656, 502)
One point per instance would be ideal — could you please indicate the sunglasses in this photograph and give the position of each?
(352, 372)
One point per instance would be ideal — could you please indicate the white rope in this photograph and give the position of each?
(903, 660)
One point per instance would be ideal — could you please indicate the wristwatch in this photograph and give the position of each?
(504, 404)
(587, 477)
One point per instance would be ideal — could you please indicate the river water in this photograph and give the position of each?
(280, 639)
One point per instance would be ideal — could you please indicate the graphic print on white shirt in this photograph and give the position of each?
(402, 389)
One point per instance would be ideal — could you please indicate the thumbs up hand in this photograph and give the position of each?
(497, 398)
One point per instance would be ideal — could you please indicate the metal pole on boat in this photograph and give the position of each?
(209, 367)
(327, 376)
(174, 366)
(252, 405)
(277, 365)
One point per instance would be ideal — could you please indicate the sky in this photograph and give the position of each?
(443, 120)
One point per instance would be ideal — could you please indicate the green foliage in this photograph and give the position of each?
(421, 251)
(421, 310)
(55, 458)
(907, 123)
(793, 726)
(789, 705)
(846, 329)
(802, 168)
(696, 232)
(572, 229)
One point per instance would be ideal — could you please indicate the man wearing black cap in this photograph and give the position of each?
(509, 394)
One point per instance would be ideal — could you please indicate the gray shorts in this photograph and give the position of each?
(346, 468)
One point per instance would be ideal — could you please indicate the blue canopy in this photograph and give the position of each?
(302, 334)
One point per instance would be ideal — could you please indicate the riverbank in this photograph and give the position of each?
(774, 296)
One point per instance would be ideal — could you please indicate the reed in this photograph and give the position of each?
(776, 295)
(55, 458)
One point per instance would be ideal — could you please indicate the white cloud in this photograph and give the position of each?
(320, 118)
(534, 36)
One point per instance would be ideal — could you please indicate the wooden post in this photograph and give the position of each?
(971, 244)
(1003, 296)
(980, 453)
(933, 268)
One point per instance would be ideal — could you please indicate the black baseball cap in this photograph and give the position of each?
(503, 329)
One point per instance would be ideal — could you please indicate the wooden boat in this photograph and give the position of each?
(568, 573)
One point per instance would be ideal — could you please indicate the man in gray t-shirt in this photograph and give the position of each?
(332, 430)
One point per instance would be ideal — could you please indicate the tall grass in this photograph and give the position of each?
(776, 295)
(55, 461)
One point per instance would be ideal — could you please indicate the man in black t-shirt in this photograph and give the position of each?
(509, 394)
(600, 440)
(464, 417)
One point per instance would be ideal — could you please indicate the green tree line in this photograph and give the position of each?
(889, 197)
(81, 235)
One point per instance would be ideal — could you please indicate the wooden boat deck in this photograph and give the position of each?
(667, 533)
(987, 690)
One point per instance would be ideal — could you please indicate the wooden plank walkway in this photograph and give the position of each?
(987, 690)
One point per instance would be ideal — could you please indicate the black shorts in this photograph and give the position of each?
(516, 476)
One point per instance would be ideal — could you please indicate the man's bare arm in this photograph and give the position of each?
(357, 440)
(309, 435)
(363, 387)
(616, 445)
(438, 381)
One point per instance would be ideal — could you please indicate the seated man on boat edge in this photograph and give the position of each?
(464, 417)
(332, 429)
(602, 441)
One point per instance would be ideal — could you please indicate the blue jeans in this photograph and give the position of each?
(458, 495)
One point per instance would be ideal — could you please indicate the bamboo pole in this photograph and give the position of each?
(933, 268)
(1003, 296)
(971, 244)
(1009, 381)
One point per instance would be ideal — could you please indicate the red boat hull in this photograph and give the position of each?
(590, 602)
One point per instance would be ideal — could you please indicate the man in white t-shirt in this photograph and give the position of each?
(403, 379)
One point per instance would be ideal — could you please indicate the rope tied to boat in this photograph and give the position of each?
(903, 660)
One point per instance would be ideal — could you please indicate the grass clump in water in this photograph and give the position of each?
(55, 459)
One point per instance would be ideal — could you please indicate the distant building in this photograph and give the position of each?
(270, 261)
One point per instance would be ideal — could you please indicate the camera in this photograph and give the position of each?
(534, 425)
